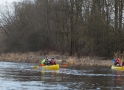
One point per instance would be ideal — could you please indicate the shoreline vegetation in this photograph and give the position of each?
(60, 25)
(36, 57)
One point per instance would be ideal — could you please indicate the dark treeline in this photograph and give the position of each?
(77, 27)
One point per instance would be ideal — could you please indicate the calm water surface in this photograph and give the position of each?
(22, 76)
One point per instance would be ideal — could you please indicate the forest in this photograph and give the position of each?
(77, 27)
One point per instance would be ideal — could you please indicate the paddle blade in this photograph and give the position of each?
(35, 67)
(113, 60)
(63, 65)
(42, 65)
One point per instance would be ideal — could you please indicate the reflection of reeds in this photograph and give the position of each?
(38, 56)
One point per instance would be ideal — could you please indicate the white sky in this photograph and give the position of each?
(8, 1)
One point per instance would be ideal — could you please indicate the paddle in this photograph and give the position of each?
(36, 67)
(63, 65)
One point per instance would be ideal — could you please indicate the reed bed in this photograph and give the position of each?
(88, 61)
(36, 57)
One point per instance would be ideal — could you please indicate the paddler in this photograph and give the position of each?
(43, 61)
(47, 62)
(52, 62)
(123, 64)
(118, 62)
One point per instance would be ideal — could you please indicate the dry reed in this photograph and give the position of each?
(36, 57)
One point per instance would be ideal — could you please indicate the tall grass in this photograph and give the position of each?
(89, 61)
(36, 57)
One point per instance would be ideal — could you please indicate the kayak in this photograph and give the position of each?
(51, 67)
(117, 67)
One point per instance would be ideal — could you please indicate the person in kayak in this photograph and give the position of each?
(52, 62)
(43, 61)
(123, 63)
(118, 62)
(47, 62)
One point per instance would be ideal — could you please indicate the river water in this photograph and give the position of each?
(22, 76)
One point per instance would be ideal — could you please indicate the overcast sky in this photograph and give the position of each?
(8, 1)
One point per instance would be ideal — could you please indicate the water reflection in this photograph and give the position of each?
(53, 75)
(118, 80)
(21, 76)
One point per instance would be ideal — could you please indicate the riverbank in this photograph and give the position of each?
(36, 57)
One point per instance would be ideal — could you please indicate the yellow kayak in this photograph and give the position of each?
(51, 67)
(117, 67)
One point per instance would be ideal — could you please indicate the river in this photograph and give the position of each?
(22, 76)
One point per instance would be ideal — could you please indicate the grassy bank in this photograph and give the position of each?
(36, 57)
